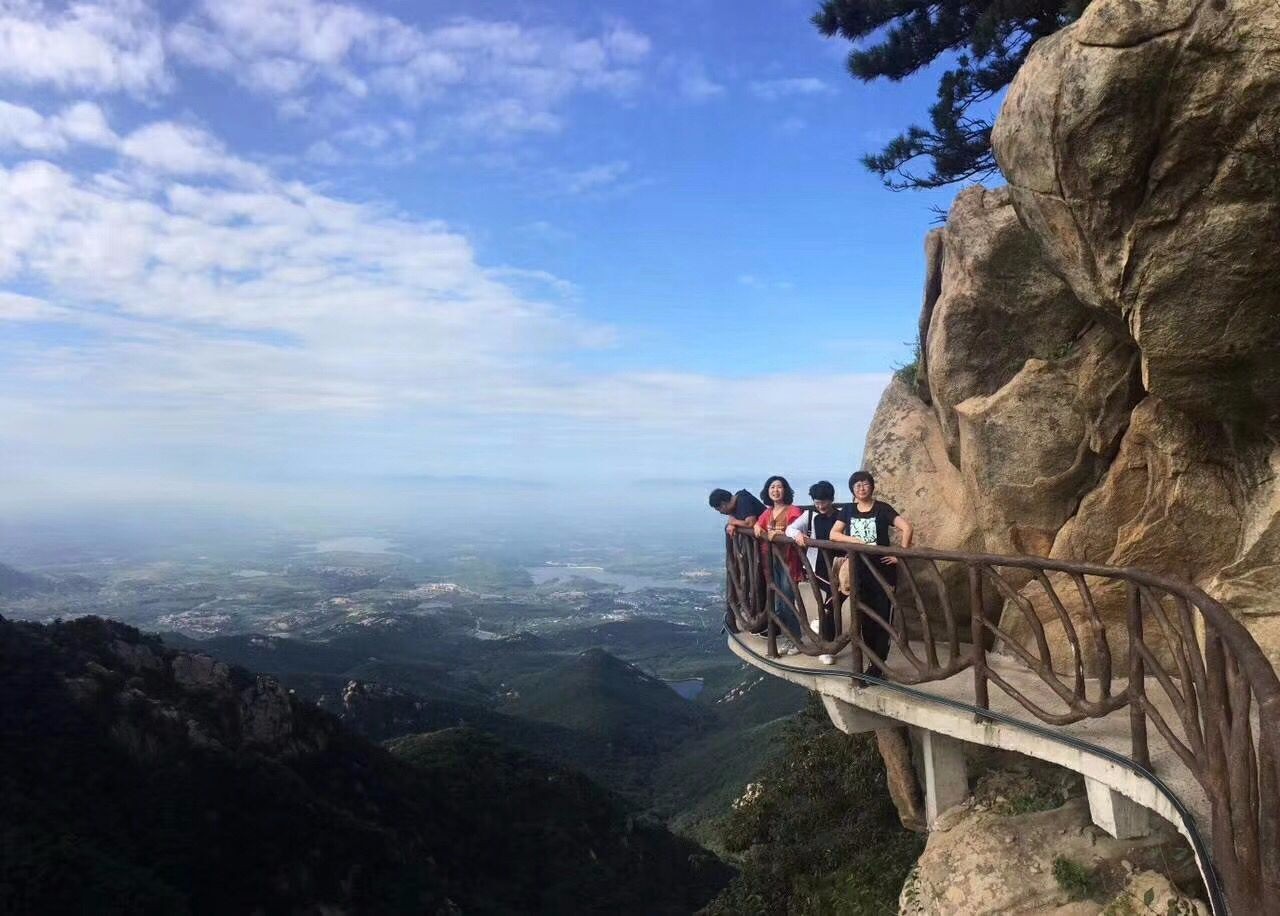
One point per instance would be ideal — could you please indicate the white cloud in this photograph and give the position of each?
(489, 78)
(105, 46)
(627, 45)
(751, 281)
(594, 178)
(16, 307)
(182, 149)
(360, 308)
(162, 146)
(322, 152)
(84, 122)
(772, 90)
(318, 62)
(694, 85)
(27, 129)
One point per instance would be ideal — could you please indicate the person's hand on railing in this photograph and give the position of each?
(801, 540)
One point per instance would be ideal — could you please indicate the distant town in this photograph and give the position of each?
(308, 590)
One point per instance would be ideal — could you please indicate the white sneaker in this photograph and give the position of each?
(815, 626)
(827, 659)
(787, 647)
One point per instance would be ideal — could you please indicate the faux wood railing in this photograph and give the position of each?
(1101, 639)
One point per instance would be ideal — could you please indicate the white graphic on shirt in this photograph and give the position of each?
(864, 529)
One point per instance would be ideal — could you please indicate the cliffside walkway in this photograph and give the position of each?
(1186, 725)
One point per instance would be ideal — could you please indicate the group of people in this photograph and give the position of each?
(866, 520)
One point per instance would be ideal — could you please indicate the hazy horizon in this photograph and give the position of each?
(350, 266)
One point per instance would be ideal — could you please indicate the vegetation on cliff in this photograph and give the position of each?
(817, 833)
(136, 779)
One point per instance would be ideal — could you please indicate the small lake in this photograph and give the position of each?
(628, 582)
(354, 545)
(689, 688)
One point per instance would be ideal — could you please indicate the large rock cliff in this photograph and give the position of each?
(1099, 377)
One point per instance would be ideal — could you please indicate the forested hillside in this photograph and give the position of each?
(138, 779)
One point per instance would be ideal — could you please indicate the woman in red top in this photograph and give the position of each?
(770, 525)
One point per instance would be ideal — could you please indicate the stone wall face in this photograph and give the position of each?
(1100, 377)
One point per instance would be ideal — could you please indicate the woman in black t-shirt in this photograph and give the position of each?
(870, 522)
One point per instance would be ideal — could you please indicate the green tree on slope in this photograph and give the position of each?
(987, 39)
(816, 834)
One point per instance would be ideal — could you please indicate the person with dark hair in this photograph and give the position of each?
(871, 521)
(787, 571)
(742, 508)
(816, 524)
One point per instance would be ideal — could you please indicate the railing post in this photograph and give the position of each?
(730, 618)
(769, 599)
(833, 593)
(1137, 678)
(855, 617)
(977, 635)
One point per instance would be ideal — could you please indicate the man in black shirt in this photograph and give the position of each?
(870, 522)
(743, 509)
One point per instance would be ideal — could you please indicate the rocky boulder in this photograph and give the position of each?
(266, 713)
(1034, 447)
(1169, 503)
(1141, 148)
(983, 860)
(1250, 584)
(997, 305)
(200, 672)
(907, 453)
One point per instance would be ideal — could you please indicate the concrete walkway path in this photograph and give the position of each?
(861, 708)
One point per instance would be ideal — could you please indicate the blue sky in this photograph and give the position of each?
(284, 252)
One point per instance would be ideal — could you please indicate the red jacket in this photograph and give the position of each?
(789, 515)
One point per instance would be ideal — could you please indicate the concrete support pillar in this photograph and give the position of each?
(1122, 818)
(852, 719)
(946, 782)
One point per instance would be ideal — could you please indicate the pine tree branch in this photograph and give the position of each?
(991, 38)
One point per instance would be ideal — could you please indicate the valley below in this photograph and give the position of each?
(577, 663)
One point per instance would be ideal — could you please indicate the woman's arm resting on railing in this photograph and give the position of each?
(837, 534)
(798, 529)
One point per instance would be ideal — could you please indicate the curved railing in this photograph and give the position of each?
(1100, 638)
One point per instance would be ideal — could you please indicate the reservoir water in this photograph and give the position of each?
(628, 582)
(689, 688)
(354, 545)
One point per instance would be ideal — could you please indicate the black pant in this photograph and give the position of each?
(875, 636)
(828, 607)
